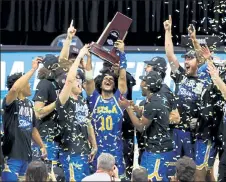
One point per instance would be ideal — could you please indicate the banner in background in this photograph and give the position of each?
(12, 62)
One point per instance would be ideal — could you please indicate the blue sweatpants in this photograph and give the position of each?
(156, 164)
(80, 164)
(13, 168)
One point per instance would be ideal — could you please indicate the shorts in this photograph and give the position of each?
(171, 166)
(119, 162)
(156, 164)
(13, 169)
(81, 167)
(183, 143)
(52, 151)
(205, 154)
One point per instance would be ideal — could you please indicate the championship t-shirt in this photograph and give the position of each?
(157, 136)
(211, 111)
(188, 93)
(18, 123)
(47, 92)
(73, 120)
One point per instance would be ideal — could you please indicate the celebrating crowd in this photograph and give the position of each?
(81, 128)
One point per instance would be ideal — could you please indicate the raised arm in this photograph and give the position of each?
(90, 84)
(21, 82)
(64, 54)
(122, 83)
(66, 91)
(216, 79)
(174, 64)
(196, 45)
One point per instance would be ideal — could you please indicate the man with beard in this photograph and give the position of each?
(127, 126)
(107, 115)
(188, 90)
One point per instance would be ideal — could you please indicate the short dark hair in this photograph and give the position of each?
(37, 171)
(11, 79)
(185, 168)
(140, 174)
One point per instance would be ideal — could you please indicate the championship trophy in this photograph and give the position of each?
(115, 30)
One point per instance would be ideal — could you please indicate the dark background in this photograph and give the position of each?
(38, 22)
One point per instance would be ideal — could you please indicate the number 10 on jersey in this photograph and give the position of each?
(106, 123)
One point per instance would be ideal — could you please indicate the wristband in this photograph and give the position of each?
(123, 61)
(89, 75)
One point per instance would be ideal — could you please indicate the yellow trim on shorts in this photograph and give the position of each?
(206, 158)
(156, 173)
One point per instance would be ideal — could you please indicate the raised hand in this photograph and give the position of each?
(205, 52)
(35, 63)
(212, 70)
(120, 45)
(84, 51)
(168, 24)
(192, 32)
(71, 31)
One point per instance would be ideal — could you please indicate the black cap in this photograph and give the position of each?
(50, 61)
(153, 81)
(74, 50)
(106, 67)
(61, 79)
(158, 62)
(190, 54)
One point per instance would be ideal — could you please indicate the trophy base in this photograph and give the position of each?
(103, 53)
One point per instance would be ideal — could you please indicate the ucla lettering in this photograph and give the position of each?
(105, 109)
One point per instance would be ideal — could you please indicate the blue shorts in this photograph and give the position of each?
(171, 167)
(205, 154)
(183, 143)
(119, 162)
(52, 151)
(156, 164)
(80, 165)
(13, 169)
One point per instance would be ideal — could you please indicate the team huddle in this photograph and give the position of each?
(74, 117)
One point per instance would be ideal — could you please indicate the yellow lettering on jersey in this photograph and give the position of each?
(105, 109)
(114, 110)
(106, 123)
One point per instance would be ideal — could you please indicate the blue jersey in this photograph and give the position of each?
(107, 120)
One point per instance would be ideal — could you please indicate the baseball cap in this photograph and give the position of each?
(50, 61)
(153, 80)
(74, 50)
(158, 62)
(61, 79)
(191, 54)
